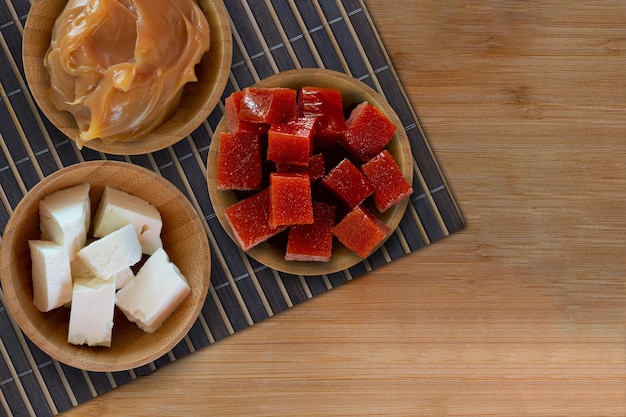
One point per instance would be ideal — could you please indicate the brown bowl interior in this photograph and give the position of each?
(198, 99)
(184, 239)
(353, 92)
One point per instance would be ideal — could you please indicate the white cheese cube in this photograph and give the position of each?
(123, 277)
(91, 314)
(118, 208)
(64, 217)
(82, 271)
(113, 253)
(52, 279)
(156, 291)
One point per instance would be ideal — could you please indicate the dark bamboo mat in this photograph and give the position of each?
(269, 36)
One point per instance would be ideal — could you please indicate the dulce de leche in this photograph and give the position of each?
(120, 66)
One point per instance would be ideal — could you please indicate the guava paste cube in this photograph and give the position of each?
(313, 242)
(290, 200)
(249, 220)
(239, 161)
(368, 132)
(268, 105)
(387, 180)
(315, 170)
(360, 231)
(326, 105)
(291, 142)
(232, 105)
(348, 183)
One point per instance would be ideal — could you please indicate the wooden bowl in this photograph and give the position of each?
(198, 99)
(184, 240)
(353, 92)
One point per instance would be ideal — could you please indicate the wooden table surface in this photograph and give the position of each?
(521, 313)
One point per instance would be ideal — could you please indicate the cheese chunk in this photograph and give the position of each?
(64, 217)
(82, 271)
(118, 208)
(113, 253)
(52, 279)
(123, 277)
(156, 291)
(91, 314)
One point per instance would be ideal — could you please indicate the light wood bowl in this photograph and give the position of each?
(184, 240)
(353, 92)
(198, 99)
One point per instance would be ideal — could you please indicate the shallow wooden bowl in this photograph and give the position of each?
(184, 240)
(198, 99)
(353, 92)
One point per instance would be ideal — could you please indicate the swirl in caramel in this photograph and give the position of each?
(120, 66)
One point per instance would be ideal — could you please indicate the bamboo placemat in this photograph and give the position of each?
(269, 36)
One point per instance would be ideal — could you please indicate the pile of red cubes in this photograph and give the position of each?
(302, 167)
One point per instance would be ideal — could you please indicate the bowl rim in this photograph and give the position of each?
(270, 255)
(89, 358)
(218, 59)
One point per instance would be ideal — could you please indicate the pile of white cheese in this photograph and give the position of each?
(93, 275)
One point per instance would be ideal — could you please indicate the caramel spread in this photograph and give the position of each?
(119, 66)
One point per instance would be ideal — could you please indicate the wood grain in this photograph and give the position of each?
(522, 312)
